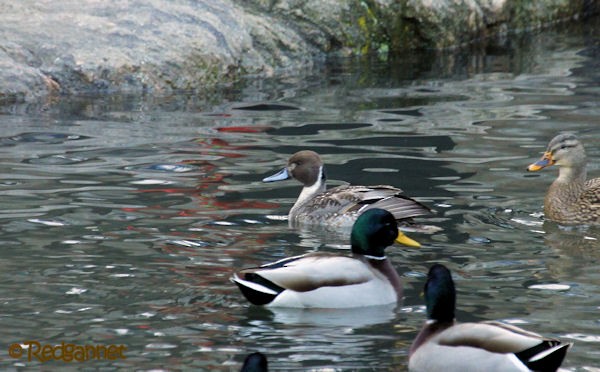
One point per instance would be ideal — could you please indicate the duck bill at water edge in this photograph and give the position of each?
(544, 162)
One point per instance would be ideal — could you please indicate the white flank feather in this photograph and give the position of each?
(254, 286)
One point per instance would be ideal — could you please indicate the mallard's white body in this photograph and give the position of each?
(318, 280)
(324, 280)
(474, 347)
(446, 345)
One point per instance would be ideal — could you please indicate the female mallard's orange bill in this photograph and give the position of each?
(545, 161)
(403, 239)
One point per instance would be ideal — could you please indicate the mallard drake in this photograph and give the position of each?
(340, 206)
(571, 199)
(325, 280)
(255, 362)
(445, 345)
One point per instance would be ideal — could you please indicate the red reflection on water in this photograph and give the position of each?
(208, 193)
(215, 145)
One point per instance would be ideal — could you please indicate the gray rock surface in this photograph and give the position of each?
(48, 48)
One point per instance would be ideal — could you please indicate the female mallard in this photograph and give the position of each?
(340, 206)
(323, 280)
(444, 345)
(571, 199)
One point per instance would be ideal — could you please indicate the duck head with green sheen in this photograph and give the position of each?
(446, 345)
(255, 362)
(375, 230)
(440, 294)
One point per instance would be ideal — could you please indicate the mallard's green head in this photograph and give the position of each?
(374, 230)
(255, 362)
(440, 294)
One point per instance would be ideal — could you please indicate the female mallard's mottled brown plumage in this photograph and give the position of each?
(571, 199)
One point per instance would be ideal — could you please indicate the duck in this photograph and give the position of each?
(328, 280)
(446, 345)
(572, 199)
(255, 362)
(338, 207)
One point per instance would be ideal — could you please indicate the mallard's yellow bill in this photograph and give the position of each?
(403, 239)
(545, 161)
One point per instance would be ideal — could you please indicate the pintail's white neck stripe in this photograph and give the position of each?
(375, 257)
(309, 191)
(321, 177)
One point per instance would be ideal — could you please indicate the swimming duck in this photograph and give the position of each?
(445, 345)
(571, 199)
(324, 280)
(340, 206)
(255, 362)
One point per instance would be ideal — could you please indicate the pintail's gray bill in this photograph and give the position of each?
(279, 176)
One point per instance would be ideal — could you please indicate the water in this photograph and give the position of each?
(122, 218)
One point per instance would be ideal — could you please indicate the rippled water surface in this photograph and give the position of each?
(122, 218)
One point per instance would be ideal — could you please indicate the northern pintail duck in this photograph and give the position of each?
(445, 345)
(324, 280)
(340, 206)
(572, 198)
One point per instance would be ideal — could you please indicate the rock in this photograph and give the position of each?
(50, 48)
(85, 46)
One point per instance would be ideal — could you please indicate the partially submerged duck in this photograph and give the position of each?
(572, 198)
(255, 362)
(339, 207)
(445, 345)
(324, 280)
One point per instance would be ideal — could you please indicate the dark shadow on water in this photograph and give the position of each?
(267, 107)
(312, 129)
(440, 143)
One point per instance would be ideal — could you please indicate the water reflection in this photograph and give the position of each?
(575, 250)
(319, 337)
(353, 318)
(124, 217)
